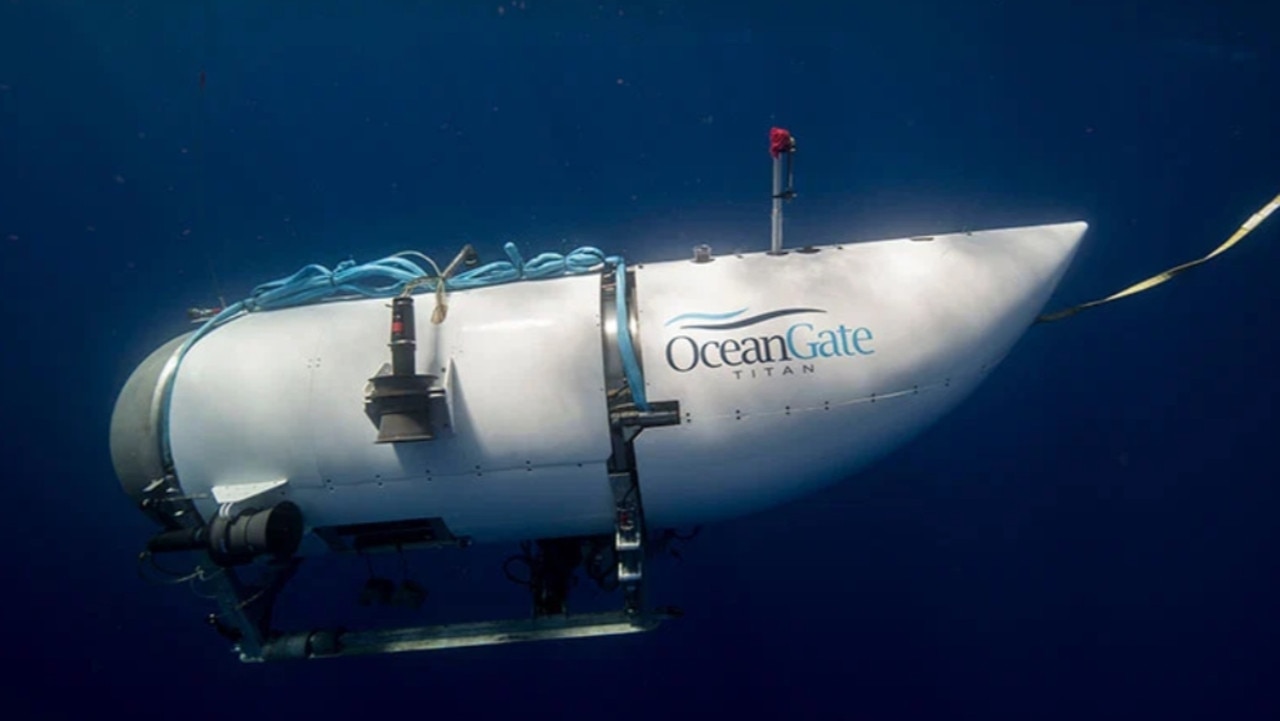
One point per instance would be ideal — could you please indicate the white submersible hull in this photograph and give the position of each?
(738, 382)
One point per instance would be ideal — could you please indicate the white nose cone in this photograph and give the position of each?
(970, 294)
(796, 371)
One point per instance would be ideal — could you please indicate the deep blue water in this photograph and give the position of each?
(1091, 535)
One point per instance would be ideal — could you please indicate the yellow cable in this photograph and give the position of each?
(1254, 221)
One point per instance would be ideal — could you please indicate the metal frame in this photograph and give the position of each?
(246, 610)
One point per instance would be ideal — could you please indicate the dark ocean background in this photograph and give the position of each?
(1091, 535)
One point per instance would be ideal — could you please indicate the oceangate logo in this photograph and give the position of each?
(702, 343)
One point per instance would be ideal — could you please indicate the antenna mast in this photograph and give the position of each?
(781, 146)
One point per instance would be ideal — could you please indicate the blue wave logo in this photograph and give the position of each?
(734, 324)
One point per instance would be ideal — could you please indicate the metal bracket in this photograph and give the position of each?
(625, 423)
(240, 492)
(245, 611)
(628, 540)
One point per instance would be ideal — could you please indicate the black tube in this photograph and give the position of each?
(403, 337)
(275, 531)
(183, 539)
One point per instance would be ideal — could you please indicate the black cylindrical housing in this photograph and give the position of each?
(275, 531)
(403, 336)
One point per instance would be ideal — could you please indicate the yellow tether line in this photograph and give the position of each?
(1254, 221)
